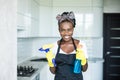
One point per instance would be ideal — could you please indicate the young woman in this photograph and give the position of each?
(66, 50)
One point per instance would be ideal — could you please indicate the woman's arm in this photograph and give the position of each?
(52, 70)
(84, 67)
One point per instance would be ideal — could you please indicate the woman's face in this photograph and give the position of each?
(66, 30)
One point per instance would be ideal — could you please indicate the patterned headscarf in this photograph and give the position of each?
(66, 16)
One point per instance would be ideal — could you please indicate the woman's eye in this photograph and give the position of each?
(62, 30)
(69, 29)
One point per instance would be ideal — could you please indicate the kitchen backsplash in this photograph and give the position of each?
(24, 49)
(28, 47)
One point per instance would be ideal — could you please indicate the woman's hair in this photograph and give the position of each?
(66, 17)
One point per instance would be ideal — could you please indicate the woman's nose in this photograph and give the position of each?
(66, 32)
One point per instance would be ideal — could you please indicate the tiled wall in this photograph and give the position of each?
(94, 45)
(24, 50)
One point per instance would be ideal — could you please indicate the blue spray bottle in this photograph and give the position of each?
(77, 66)
(47, 50)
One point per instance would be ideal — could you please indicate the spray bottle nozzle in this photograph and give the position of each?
(46, 50)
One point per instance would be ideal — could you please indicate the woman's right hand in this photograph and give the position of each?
(50, 57)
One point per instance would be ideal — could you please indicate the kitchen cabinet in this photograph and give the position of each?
(37, 77)
(45, 73)
(38, 18)
(45, 21)
(28, 18)
(34, 18)
(87, 24)
(95, 69)
(88, 16)
(90, 25)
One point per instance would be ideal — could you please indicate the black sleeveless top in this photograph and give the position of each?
(65, 66)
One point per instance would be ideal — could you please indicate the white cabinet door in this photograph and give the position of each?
(28, 18)
(94, 72)
(45, 74)
(97, 71)
(45, 21)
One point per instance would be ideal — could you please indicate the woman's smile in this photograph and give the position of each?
(66, 37)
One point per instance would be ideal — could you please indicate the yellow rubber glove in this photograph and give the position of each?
(80, 55)
(49, 55)
(48, 46)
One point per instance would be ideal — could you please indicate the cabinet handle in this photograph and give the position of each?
(108, 53)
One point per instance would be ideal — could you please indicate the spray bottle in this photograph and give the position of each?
(77, 66)
(47, 50)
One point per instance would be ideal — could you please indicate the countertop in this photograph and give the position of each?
(95, 59)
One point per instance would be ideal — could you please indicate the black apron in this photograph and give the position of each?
(65, 65)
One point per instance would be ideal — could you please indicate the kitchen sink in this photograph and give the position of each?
(39, 59)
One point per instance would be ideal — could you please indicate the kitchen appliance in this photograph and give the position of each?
(25, 71)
